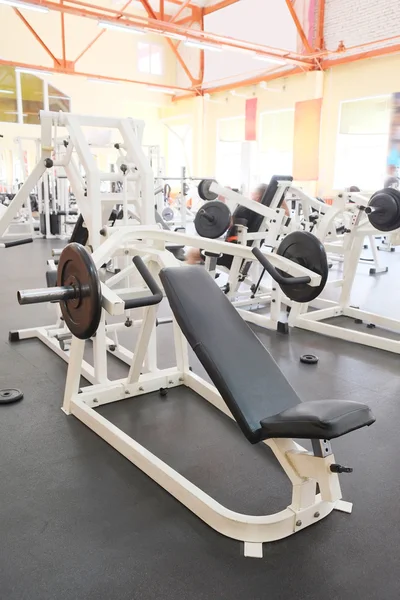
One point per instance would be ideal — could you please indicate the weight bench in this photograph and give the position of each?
(254, 388)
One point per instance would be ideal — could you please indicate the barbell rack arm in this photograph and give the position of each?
(276, 276)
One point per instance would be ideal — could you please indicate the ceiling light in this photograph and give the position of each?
(161, 90)
(116, 27)
(14, 112)
(7, 92)
(25, 5)
(173, 36)
(98, 80)
(32, 71)
(203, 46)
(269, 59)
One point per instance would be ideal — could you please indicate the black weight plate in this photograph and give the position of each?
(204, 190)
(306, 250)
(309, 359)
(10, 395)
(76, 267)
(389, 203)
(212, 219)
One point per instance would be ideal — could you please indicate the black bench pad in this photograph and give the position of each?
(254, 388)
(321, 419)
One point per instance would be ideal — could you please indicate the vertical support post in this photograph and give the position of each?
(142, 344)
(183, 203)
(74, 372)
(19, 96)
(100, 352)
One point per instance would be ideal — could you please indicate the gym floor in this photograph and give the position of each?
(78, 521)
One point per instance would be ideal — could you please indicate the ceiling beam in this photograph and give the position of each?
(36, 36)
(299, 28)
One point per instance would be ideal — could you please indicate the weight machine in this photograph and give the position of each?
(381, 213)
(256, 395)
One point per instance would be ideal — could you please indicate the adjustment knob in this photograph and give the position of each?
(335, 468)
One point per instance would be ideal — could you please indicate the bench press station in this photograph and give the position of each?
(256, 395)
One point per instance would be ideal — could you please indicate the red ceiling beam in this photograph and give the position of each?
(171, 44)
(69, 70)
(332, 62)
(179, 11)
(162, 10)
(210, 9)
(36, 36)
(101, 33)
(63, 36)
(319, 41)
(299, 28)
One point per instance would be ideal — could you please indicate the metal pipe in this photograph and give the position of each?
(54, 294)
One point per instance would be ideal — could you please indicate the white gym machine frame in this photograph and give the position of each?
(304, 469)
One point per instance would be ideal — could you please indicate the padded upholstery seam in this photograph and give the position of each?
(305, 420)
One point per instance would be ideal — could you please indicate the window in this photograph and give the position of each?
(150, 58)
(24, 106)
(230, 137)
(276, 143)
(58, 101)
(32, 98)
(179, 150)
(362, 143)
(8, 95)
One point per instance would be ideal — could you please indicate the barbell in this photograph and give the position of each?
(302, 248)
(383, 209)
(78, 291)
(212, 219)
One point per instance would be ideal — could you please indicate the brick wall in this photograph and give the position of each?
(359, 21)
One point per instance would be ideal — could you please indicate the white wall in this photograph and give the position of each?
(266, 22)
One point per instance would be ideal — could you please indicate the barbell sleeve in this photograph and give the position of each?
(54, 294)
(276, 276)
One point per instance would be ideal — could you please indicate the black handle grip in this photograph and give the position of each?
(276, 276)
(16, 243)
(157, 294)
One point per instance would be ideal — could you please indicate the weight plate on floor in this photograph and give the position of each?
(386, 216)
(167, 214)
(82, 314)
(204, 190)
(306, 250)
(212, 219)
(10, 395)
(309, 359)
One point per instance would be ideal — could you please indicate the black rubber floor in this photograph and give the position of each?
(79, 522)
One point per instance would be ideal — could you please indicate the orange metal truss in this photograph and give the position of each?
(312, 59)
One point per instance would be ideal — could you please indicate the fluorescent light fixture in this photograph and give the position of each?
(269, 59)
(14, 112)
(161, 90)
(168, 34)
(6, 92)
(58, 98)
(241, 50)
(173, 36)
(25, 5)
(117, 27)
(32, 71)
(98, 80)
(203, 46)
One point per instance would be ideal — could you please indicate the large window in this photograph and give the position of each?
(58, 101)
(179, 149)
(230, 137)
(32, 98)
(150, 58)
(23, 95)
(362, 144)
(8, 95)
(276, 131)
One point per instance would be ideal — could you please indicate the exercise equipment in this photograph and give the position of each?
(309, 359)
(167, 214)
(204, 190)
(79, 293)
(10, 395)
(212, 219)
(383, 209)
(306, 250)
